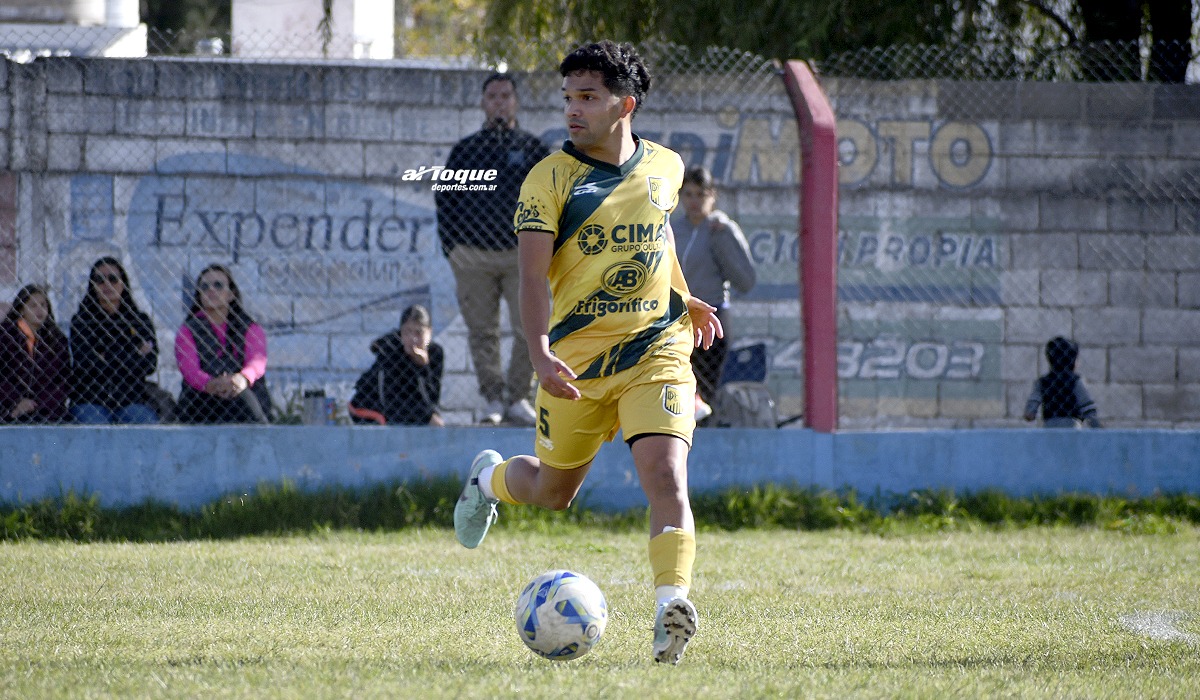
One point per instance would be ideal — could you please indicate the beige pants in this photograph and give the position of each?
(482, 278)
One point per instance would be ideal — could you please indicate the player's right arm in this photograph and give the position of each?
(534, 251)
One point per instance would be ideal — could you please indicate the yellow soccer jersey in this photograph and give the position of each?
(610, 278)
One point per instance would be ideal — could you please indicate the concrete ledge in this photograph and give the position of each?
(190, 466)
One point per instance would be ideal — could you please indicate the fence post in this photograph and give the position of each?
(818, 244)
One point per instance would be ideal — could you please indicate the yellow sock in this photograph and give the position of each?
(499, 487)
(672, 554)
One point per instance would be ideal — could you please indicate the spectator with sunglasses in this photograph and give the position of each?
(222, 355)
(114, 349)
(34, 367)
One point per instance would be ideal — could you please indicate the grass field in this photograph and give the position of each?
(1038, 612)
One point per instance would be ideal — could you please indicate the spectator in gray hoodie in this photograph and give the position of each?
(714, 256)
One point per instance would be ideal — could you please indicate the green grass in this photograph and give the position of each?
(974, 612)
(278, 509)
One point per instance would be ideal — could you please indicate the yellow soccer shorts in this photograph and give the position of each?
(657, 396)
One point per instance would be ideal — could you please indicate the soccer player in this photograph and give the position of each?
(613, 350)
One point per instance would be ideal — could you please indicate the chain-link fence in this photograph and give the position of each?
(984, 215)
(237, 240)
(984, 211)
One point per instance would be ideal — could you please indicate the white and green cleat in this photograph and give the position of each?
(474, 513)
(674, 626)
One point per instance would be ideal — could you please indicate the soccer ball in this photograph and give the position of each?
(561, 615)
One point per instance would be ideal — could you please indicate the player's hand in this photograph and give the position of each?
(554, 375)
(704, 322)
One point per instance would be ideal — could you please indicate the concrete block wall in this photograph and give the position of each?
(190, 467)
(173, 164)
(978, 219)
(1086, 192)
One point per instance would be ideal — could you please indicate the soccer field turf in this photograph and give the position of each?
(1022, 613)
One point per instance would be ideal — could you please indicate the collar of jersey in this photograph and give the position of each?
(622, 170)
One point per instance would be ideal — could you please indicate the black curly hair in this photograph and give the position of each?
(624, 72)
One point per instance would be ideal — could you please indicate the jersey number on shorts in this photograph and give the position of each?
(544, 422)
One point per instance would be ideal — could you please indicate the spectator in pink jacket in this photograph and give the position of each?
(222, 355)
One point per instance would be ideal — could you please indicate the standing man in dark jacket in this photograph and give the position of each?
(475, 226)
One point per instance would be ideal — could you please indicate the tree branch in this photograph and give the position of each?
(1053, 16)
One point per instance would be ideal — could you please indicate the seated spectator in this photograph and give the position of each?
(34, 365)
(222, 355)
(404, 385)
(1060, 392)
(113, 351)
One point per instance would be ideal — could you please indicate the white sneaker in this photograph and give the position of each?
(674, 626)
(474, 513)
(703, 410)
(521, 413)
(493, 413)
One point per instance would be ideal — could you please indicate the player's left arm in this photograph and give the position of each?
(705, 323)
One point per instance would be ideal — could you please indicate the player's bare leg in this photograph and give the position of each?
(528, 481)
(661, 462)
(519, 480)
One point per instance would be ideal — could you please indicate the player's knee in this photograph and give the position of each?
(560, 502)
(555, 499)
(665, 478)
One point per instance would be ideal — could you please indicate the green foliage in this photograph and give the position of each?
(282, 509)
(69, 517)
(437, 27)
(774, 28)
(1033, 40)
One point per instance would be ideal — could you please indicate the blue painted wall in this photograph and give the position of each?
(190, 466)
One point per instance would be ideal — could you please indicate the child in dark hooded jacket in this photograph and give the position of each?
(1060, 392)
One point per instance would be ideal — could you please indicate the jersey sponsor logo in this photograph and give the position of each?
(589, 188)
(672, 400)
(637, 233)
(638, 238)
(600, 308)
(660, 197)
(592, 239)
(625, 277)
(528, 213)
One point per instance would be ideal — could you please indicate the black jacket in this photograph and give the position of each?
(480, 218)
(42, 377)
(107, 368)
(397, 387)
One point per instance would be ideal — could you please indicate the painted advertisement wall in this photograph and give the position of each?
(972, 228)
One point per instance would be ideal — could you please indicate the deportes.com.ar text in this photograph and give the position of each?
(460, 187)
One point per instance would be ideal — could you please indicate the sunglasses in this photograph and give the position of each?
(205, 286)
(111, 278)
